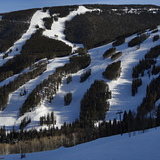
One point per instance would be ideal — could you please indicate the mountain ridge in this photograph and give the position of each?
(51, 95)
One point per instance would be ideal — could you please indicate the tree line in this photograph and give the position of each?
(24, 141)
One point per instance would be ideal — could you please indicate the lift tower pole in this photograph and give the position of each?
(120, 112)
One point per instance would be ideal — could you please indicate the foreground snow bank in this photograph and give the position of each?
(141, 146)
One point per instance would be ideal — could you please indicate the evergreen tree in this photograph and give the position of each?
(67, 99)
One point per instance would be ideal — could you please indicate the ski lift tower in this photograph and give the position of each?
(120, 112)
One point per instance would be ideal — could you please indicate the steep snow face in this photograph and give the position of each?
(141, 146)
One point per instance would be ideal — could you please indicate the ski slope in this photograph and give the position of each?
(9, 116)
(141, 146)
(121, 88)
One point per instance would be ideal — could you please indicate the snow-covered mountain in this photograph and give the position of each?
(121, 87)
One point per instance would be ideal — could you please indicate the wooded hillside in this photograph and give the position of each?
(98, 28)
